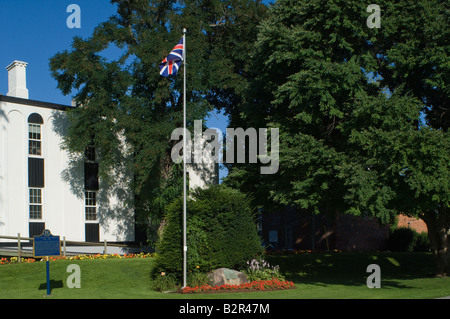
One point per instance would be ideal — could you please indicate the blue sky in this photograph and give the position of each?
(34, 30)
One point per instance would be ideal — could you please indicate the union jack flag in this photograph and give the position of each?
(171, 64)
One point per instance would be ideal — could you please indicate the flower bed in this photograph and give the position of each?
(14, 260)
(102, 256)
(259, 285)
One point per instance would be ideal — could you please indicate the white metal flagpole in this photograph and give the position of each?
(184, 161)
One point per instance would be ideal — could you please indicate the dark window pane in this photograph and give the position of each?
(35, 229)
(90, 153)
(91, 176)
(92, 232)
(35, 118)
(35, 172)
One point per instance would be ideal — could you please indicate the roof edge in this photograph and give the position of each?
(48, 105)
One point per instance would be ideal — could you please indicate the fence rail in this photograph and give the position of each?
(19, 252)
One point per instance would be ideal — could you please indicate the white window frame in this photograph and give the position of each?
(90, 207)
(35, 199)
(35, 136)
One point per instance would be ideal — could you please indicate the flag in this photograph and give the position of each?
(172, 62)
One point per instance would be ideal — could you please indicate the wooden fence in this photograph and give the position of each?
(64, 243)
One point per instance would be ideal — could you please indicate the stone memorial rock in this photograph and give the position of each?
(224, 276)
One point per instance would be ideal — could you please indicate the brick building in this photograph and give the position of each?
(416, 224)
(294, 229)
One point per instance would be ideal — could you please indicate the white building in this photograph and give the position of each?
(44, 187)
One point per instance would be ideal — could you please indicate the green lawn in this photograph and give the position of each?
(316, 275)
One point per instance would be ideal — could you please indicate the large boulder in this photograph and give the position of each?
(225, 276)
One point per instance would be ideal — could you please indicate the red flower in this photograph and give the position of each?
(255, 285)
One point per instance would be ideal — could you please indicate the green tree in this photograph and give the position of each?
(362, 112)
(124, 101)
(414, 58)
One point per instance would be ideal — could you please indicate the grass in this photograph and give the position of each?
(316, 275)
(343, 275)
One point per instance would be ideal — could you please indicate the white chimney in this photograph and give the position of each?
(17, 81)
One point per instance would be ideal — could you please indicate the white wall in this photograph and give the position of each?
(14, 194)
(63, 194)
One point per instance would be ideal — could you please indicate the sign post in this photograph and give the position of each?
(47, 267)
(46, 245)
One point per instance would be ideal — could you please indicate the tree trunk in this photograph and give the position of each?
(438, 223)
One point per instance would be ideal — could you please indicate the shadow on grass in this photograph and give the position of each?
(350, 269)
(53, 285)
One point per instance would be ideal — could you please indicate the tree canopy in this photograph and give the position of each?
(124, 100)
(362, 112)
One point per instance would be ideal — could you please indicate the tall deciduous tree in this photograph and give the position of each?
(413, 57)
(125, 100)
(362, 111)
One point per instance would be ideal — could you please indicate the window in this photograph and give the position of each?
(91, 205)
(35, 172)
(91, 176)
(34, 134)
(92, 232)
(34, 139)
(35, 229)
(91, 185)
(288, 237)
(90, 153)
(35, 200)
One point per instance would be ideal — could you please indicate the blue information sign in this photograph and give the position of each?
(46, 245)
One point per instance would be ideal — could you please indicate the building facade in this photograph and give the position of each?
(296, 229)
(43, 186)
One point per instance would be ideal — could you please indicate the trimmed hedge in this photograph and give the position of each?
(221, 232)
